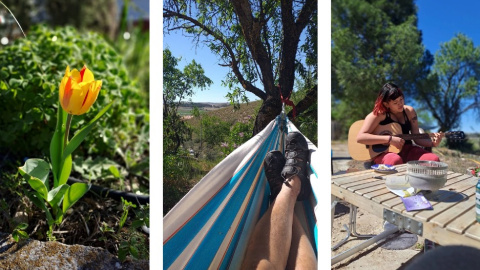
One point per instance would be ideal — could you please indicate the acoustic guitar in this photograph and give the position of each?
(359, 151)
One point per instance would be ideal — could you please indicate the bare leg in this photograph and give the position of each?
(269, 245)
(301, 255)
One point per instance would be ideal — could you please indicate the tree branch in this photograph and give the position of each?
(309, 99)
(234, 62)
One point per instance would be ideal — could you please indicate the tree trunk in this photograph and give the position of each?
(271, 107)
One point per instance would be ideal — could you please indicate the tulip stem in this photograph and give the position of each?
(67, 130)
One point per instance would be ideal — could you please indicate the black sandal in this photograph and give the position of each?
(297, 154)
(273, 164)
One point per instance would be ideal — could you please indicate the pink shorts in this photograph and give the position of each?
(409, 152)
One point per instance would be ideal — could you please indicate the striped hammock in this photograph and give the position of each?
(209, 228)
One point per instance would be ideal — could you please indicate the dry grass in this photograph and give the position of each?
(229, 114)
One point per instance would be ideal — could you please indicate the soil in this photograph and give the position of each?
(375, 256)
(92, 221)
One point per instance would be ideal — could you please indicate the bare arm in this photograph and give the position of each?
(437, 137)
(366, 136)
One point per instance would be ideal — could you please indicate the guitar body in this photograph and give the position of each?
(359, 151)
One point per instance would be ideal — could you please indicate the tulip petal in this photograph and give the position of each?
(67, 93)
(93, 91)
(82, 72)
(67, 72)
(78, 90)
(87, 75)
(78, 96)
(75, 74)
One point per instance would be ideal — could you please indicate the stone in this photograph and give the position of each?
(33, 254)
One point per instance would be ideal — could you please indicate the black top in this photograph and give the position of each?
(406, 127)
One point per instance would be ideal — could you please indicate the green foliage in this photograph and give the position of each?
(19, 232)
(239, 133)
(29, 79)
(136, 55)
(177, 171)
(177, 86)
(373, 42)
(60, 197)
(130, 241)
(453, 82)
(126, 205)
(214, 130)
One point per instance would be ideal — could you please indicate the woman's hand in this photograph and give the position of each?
(437, 138)
(397, 142)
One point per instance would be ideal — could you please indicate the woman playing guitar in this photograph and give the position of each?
(390, 108)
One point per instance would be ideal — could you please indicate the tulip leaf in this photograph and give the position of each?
(56, 195)
(38, 186)
(73, 194)
(40, 204)
(36, 170)
(65, 171)
(56, 144)
(82, 134)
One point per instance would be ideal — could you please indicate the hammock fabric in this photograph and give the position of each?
(209, 228)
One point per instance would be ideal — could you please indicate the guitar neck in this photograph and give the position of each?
(416, 136)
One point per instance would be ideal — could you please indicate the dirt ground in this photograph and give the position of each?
(374, 256)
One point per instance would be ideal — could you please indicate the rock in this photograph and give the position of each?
(33, 254)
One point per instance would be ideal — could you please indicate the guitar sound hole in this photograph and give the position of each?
(379, 148)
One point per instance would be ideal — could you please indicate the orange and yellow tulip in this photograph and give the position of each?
(78, 90)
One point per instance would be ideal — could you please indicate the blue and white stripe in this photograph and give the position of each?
(210, 227)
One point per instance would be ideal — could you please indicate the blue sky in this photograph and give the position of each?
(183, 47)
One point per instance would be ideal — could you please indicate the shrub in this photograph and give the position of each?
(214, 130)
(177, 170)
(30, 75)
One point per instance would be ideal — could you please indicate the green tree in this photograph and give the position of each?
(373, 42)
(259, 41)
(177, 86)
(453, 82)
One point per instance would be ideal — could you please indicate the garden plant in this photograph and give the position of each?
(40, 131)
(78, 91)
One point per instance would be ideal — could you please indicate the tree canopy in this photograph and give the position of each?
(260, 42)
(452, 88)
(178, 85)
(373, 42)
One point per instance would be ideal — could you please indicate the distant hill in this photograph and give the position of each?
(205, 104)
(228, 114)
(186, 108)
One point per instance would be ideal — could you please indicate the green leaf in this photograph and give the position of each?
(39, 186)
(22, 234)
(114, 171)
(65, 170)
(80, 136)
(56, 195)
(37, 168)
(40, 204)
(22, 226)
(56, 144)
(134, 251)
(35, 171)
(73, 194)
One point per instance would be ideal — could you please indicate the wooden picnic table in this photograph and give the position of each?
(451, 222)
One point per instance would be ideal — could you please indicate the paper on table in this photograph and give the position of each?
(416, 202)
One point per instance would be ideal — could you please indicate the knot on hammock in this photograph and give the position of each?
(288, 102)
